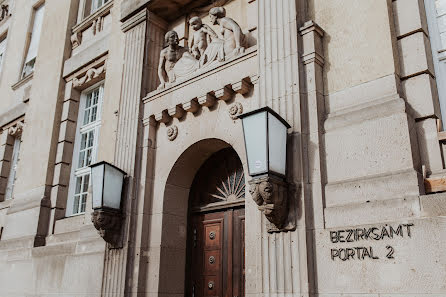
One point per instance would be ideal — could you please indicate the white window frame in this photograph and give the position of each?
(96, 4)
(438, 55)
(33, 45)
(12, 176)
(80, 129)
(3, 44)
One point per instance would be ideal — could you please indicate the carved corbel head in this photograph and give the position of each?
(271, 196)
(108, 224)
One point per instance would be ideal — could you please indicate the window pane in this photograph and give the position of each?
(13, 169)
(78, 184)
(83, 203)
(2, 51)
(35, 38)
(90, 138)
(88, 157)
(76, 204)
(88, 103)
(83, 140)
(93, 113)
(81, 159)
(86, 181)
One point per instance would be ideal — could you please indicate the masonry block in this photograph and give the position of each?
(415, 54)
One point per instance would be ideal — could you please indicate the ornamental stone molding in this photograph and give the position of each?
(90, 75)
(235, 110)
(172, 132)
(208, 99)
(76, 39)
(16, 129)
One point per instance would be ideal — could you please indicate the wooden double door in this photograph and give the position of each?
(216, 254)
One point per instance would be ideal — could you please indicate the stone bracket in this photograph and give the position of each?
(109, 224)
(272, 194)
(208, 99)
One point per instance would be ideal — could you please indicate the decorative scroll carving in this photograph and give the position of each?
(76, 39)
(91, 74)
(206, 47)
(172, 133)
(108, 223)
(271, 196)
(235, 110)
(5, 12)
(16, 129)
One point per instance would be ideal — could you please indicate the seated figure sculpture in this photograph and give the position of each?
(205, 44)
(175, 61)
(201, 38)
(206, 48)
(233, 36)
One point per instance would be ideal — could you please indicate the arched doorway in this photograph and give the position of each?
(216, 227)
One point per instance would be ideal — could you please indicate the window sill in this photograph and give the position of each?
(22, 81)
(5, 204)
(69, 224)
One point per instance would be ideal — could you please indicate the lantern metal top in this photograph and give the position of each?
(268, 109)
(111, 165)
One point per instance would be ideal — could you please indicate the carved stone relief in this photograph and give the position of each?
(235, 110)
(91, 74)
(76, 39)
(172, 133)
(206, 47)
(16, 129)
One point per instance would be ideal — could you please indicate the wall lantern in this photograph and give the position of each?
(265, 134)
(107, 182)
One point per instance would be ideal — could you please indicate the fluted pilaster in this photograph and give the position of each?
(278, 58)
(143, 38)
(284, 262)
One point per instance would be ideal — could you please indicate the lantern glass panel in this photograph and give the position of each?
(113, 180)
(97, 182)
(277, 134)
(255, 131)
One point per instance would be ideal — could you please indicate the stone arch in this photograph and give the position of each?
(172, 269)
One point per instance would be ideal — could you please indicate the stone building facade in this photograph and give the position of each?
(361, 83)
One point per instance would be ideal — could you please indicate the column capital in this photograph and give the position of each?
(312, 35)
(142, 16)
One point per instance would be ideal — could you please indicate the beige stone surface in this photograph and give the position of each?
(409, 17)
(355, 157)
(361, 46)
(410, 271)
(415, 54)
(422, 95)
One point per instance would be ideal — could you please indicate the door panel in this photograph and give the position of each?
(216, 254)
(239, 253)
